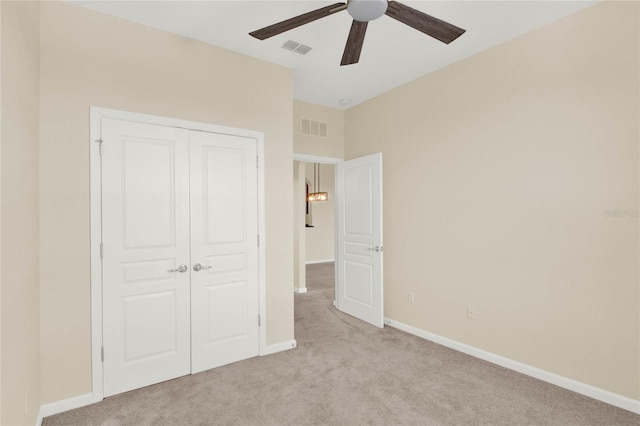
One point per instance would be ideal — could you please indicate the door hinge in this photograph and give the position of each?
(258, 240)
(99, 142)
(257, 162)
(102, 354)
(258, 320)
(101, 250)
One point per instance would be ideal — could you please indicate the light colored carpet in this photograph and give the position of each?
(349, 373)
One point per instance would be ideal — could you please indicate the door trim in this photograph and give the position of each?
(316, 159)
(96, 115)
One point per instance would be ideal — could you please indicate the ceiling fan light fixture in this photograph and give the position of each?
(366, 10)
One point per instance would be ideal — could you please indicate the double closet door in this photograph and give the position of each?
(180, 256)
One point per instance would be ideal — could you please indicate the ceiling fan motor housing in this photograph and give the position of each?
(366, 10)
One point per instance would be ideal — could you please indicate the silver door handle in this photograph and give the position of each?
(376, 248)
(181, 268)
(197, 267)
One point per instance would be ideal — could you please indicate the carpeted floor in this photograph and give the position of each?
(349, 373)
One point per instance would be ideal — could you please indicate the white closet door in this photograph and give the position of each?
(145, 221)
(224, 231)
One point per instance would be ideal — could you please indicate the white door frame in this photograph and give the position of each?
(327, 160)
(96, 115)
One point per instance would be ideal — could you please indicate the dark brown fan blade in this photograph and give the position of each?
(355, 41)
(434, 27)
(292, 23)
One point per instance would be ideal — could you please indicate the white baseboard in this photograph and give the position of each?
(65, 405)
(611, 398)
(87, 399)
(313, 262)
(278, 347)
(299, 290)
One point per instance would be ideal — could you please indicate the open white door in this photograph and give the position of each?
(359, 248)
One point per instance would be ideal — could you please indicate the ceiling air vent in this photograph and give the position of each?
(296, 47)
(314, 128)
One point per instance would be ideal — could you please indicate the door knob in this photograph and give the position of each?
(376, 248)
(197, 267)
(181, 268)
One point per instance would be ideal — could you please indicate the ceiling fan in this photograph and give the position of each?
(363, 11)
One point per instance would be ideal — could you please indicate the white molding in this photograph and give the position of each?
(65, 405)
(300, 290)
(608, 397)
(172, 122)
(96, 116)
(336, 250)
(87, 399)
(316, 159)
(95, 170)
(262, 253)
(278, 347)
(313, 262)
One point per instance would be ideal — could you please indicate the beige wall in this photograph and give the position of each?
(332, 145)
(320, 238)
(19, 213)
(499, 172)
(517, 157)
(91, 59)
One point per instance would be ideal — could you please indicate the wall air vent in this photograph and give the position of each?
(296, 47)
(314, 128)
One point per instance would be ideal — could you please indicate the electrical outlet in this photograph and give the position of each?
(412, 298)
(471, 312)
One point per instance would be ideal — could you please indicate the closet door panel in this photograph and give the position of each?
(145, 219)
(224, 250)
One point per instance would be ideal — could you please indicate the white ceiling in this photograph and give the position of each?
(393, 53)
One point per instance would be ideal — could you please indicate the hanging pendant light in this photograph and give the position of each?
(317, 196)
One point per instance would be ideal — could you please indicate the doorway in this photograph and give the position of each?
(320, 215)
(358, 248)
(314, 221)
(319, 225)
